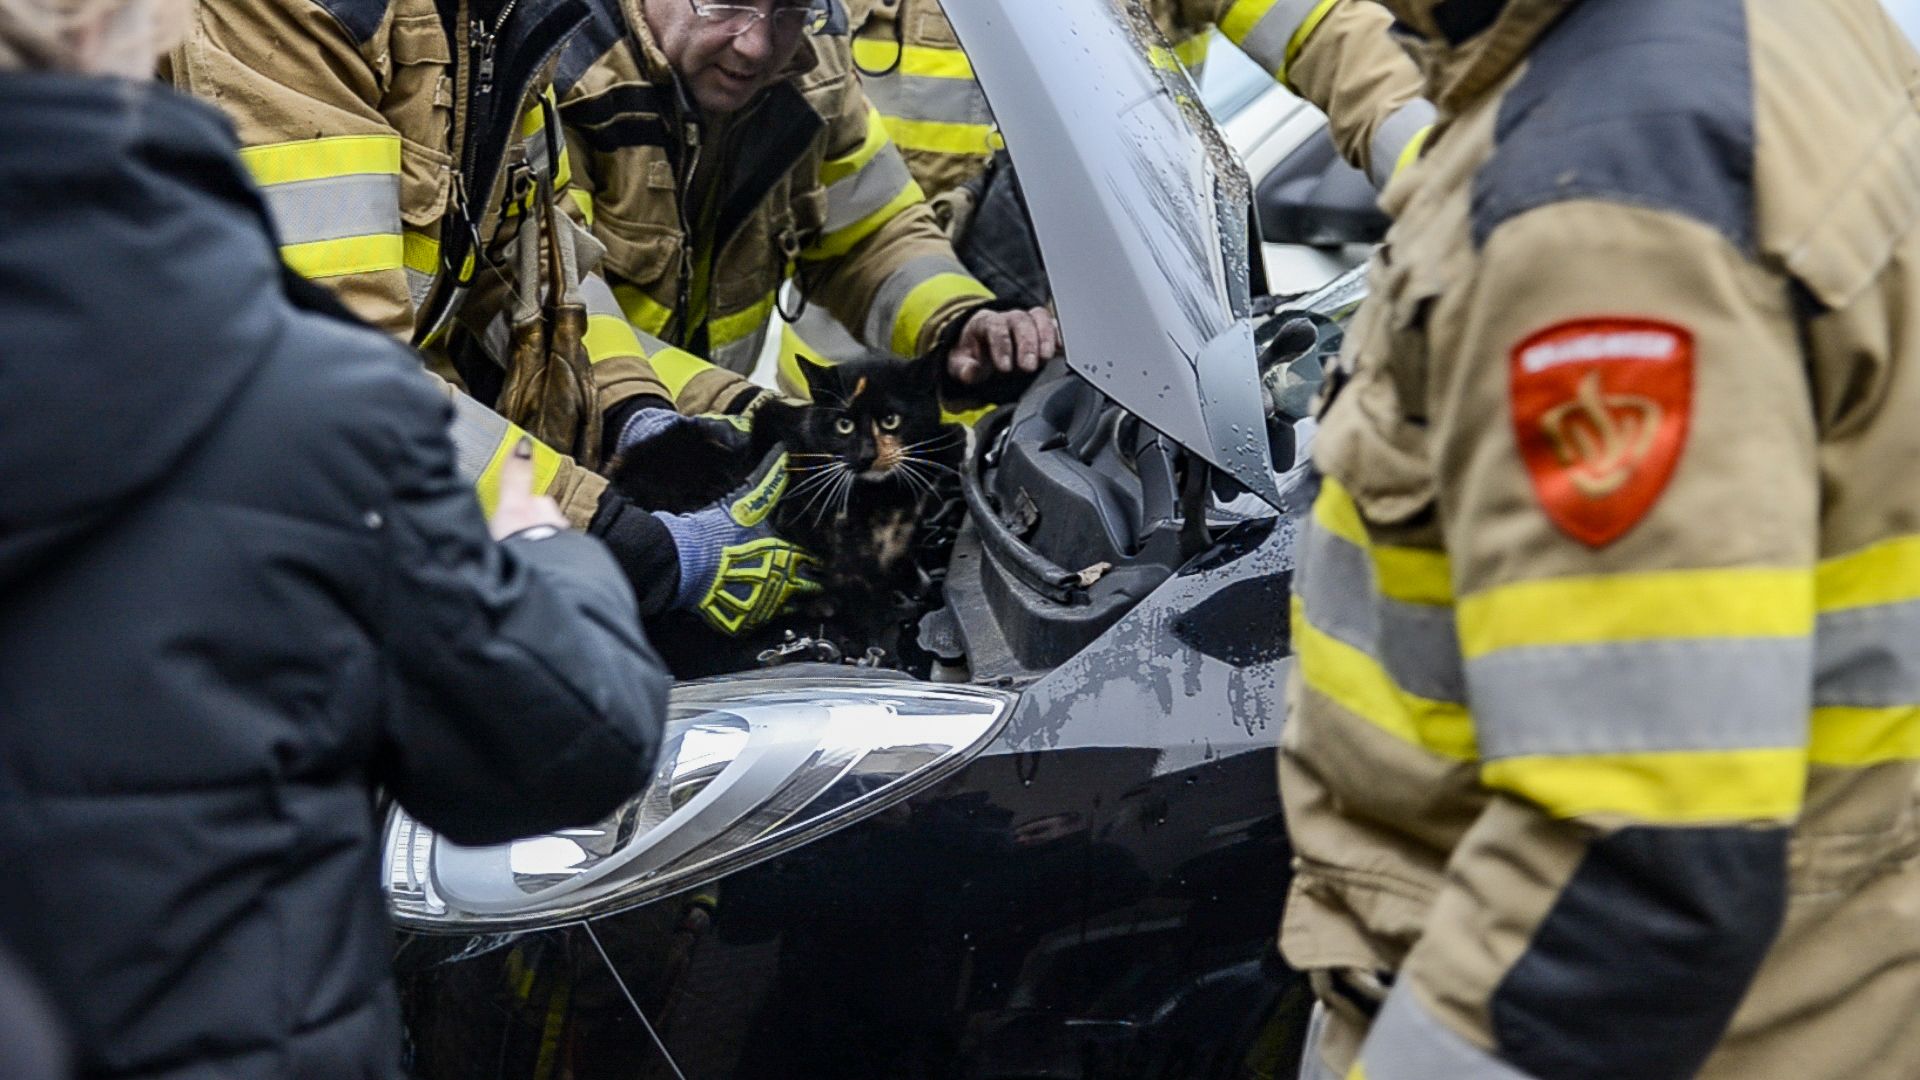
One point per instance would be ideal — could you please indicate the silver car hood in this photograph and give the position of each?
(1141, 214)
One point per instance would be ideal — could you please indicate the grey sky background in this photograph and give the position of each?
(1907, 14)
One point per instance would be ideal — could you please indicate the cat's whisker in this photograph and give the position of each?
(918, 460)
(817, 481)
(821, 497)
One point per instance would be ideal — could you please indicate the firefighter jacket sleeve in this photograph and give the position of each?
(1622, 474)
(330, 124)
(881, 263)
(526, 697)
(1338, 55)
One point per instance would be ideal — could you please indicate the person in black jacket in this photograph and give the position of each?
(241, 585)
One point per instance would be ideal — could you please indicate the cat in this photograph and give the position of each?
(870, 458)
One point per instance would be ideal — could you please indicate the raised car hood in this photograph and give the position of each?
(1141, 214)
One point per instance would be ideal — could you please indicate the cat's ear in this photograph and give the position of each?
(823, 382)
(924, 370)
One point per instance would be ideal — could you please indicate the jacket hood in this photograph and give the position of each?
(139, 288)
(1465, 46)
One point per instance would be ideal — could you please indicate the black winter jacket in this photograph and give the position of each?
(240, 585)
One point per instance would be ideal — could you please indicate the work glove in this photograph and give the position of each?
(721, 429)
(733, 570)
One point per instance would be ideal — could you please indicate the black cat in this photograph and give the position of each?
(869, 460)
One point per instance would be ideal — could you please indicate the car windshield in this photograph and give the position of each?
(1141, 212)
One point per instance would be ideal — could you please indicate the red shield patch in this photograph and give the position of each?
(1600, 409)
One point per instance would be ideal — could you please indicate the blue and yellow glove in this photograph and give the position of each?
(721, 429)
(733, 570)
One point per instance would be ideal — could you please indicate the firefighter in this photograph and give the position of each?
(1334, 53)
(719, 149)
(412, 157)
(1601, 754)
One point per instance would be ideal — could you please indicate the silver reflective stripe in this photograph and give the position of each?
(1641, 696)
(598, 299)
(536, 147)
(884, 311)
(929, 98)
(1868, 657)
(362, 204)
(740, 356)
(1336, 587)
(1267, 41)
(1416, 644)
(1420, 648)
(498, 339)
(1390, 139)
(1409, 1043)
(418, 286)
(1312, 1065)
(476, 432)
(852, 199)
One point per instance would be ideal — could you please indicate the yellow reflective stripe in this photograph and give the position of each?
(1886, 573)
(1193, 51)
(728, 329)
(840, 168)
(1638, 607)
(609, 336)
(1413, 575)
(319, 159)
(1357, 682)
(420, 252)
(642, 310)
(1851, 736)
(924, 60)
(1410, 153)
(1242, 17)
(935, 137)
(532, 121)
(563, 173)
(1334, 509)
(584, 201)
(841, 241)
(1671, 788)
(546, 465)
(1300, 35)
(347, 255)
(676, 368)
(791, 379)
(1410, 575)
(927, 299)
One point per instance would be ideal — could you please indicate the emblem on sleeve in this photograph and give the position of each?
(1600, 411)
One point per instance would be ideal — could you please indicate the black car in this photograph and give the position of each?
(1050, 847)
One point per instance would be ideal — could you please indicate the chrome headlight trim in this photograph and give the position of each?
(748, 769)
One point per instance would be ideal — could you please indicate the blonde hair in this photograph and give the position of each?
(48, 35)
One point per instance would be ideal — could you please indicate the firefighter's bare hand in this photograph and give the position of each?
(519, 508)
(1001, 341)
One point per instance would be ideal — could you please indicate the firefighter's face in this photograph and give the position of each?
(723, 66)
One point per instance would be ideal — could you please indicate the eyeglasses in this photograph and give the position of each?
(788, 17)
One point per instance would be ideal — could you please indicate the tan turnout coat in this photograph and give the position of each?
(1602, 745)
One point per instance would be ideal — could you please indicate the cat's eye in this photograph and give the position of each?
(891, 422)
(843, 425)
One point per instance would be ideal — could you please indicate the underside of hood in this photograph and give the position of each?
(1140, 210)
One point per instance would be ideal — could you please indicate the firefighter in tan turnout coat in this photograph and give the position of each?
(404, 158)
(1601, 758)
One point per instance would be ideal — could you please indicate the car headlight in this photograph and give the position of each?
(747, 768)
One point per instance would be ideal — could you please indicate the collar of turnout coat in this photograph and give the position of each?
(139, 288)
(1465, 46)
